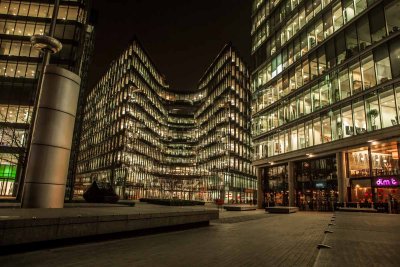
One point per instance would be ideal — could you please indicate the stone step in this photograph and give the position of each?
(239, 208)
(282, 209)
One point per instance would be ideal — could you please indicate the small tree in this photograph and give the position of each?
(373, 114)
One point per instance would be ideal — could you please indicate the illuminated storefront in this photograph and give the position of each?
(370, 174)
(374, 173)
(149, 141)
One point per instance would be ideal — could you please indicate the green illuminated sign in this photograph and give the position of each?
(8, 172)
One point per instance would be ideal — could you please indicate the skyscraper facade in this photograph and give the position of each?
(326, 101)
(20, 65)
(148, 140)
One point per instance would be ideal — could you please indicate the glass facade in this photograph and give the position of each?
(345, 74)
(149, 141)
(326, 72)
(19, 69)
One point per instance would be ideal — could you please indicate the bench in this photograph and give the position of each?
(357, 209)
(281, 209)
(239, 208)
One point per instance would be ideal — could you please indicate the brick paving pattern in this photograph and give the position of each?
(262, 240)
(247, 238)
(362, 239)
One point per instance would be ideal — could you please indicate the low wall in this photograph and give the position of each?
(15, 230)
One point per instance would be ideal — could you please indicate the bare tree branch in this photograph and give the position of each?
(12, 134)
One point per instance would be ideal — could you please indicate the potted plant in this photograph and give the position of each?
(339, 127)
(373, 113)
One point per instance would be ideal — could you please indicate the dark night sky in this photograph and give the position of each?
(182, 36)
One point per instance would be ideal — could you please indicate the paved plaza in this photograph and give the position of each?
(254, 239)
(370, 239)
(248, 238)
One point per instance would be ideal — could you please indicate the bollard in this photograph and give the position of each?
(48, 160)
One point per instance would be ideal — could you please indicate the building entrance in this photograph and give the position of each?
(316, 200)
(275, 186)
(316, 184)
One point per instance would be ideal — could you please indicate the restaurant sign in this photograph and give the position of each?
(387, 182)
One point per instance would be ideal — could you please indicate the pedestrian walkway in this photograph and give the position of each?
(240, 216)
(362, 239)
(275, 240)
(245, 238)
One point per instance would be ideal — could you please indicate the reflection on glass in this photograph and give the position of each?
(347, 120)
(360, 126)
(361, 191)
(373, 115)
(388, 108)
(326, 129)
(337, 129)
(385, 159)
(317, 132)
(359, 162)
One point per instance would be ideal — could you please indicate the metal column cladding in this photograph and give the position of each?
(48, 159)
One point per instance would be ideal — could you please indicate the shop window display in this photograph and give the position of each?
(382, 181)
(384, 195)
(359, 162)
(385, 159)
(361, 191)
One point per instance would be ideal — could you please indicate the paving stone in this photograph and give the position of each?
(271, 240)
(362, 239)
(246, 238)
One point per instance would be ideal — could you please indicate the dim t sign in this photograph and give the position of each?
(390, 181)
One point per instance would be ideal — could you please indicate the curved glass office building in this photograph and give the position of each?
(148, 140)
(326, 101)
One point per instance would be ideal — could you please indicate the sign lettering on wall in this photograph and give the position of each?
(387, 182)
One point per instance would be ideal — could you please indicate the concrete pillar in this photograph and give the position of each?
(47, 167)
(341, 176)
(292, 191)
(260, 192)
